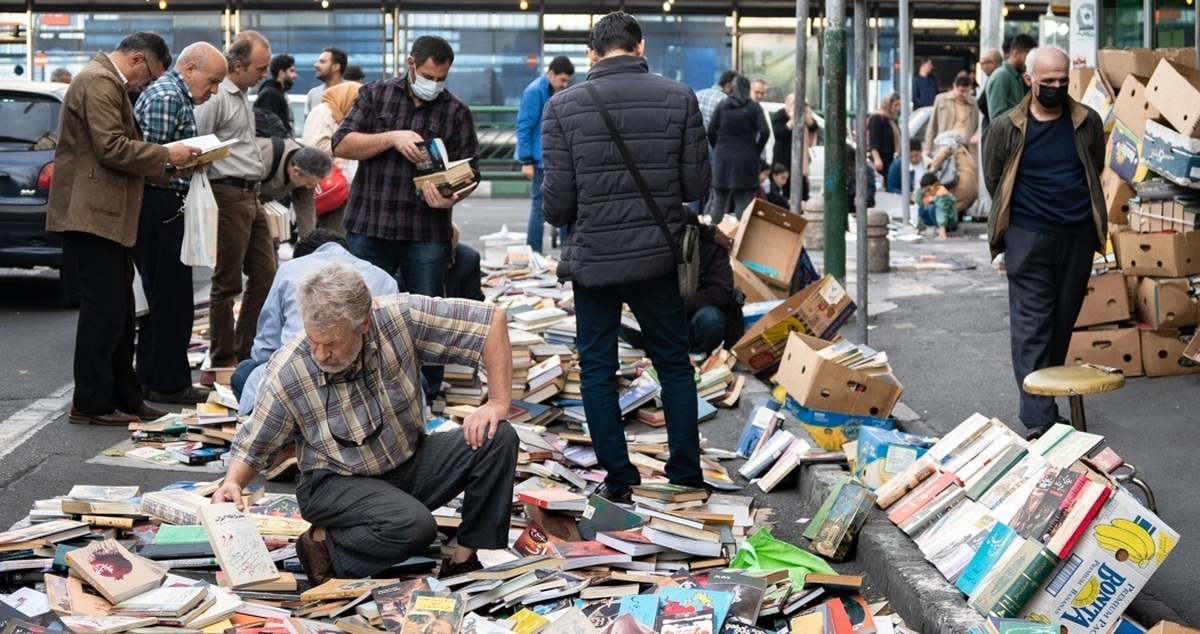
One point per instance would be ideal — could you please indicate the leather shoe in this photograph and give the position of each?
(113, 419)
(314, 557)
(144, 412)
(189, 395)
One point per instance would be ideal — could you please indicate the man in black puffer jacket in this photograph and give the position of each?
(615, 252)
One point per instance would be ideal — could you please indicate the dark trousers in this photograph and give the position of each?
(244, 244)
(1047, 281)
(374, 523)
(706, 331)
(659, 310)
(729, 201)
(165, 332)
(419, 267)
(104, 376)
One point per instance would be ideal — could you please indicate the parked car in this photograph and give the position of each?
(28, 135)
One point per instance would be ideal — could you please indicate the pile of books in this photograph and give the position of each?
(773, 453)
(195, 437)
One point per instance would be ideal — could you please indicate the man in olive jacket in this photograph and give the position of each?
(1042, 163)
(100, 167)
(615, 252)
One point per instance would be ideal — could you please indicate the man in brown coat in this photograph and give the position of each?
(101, 165)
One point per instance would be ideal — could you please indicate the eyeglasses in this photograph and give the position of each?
(153, 75)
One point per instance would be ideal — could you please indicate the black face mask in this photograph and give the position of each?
(1051, 96)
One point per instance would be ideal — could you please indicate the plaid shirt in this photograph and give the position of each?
(165, 114)
(366, 420)
(384, 202)
(709, 99)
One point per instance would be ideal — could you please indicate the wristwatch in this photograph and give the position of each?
(171, 167)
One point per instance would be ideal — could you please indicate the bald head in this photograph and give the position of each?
(989, 60)
(202, 67)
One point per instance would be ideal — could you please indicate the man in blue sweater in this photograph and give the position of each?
(529, 138)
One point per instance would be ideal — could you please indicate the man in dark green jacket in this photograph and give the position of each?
(1042, 162)
(1006, 87)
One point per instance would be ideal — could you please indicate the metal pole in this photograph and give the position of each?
(835, 139)
(799, 129)
(398, 45)
(862, 171)
(736, 40)
(1148, 23)
(875, 54)
(29, 37)
(905, 89)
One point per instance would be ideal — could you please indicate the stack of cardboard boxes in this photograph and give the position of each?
(1140, 316)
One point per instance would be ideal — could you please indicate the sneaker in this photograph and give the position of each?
(189, 395)
(448, 570)
(1033, 433)
(314, 557)
(622, 496)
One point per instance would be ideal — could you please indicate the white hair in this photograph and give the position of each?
(333, 294)
(1034, 54)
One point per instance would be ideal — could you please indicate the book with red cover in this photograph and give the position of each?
(922, 495)
(555, 499)
(838, 621)
(1086, 505)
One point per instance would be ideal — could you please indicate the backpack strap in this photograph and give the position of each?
(276, 156)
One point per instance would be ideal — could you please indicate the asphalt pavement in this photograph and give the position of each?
(946, 334)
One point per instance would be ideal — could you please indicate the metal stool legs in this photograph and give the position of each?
(1131, 479)
(1078, 420)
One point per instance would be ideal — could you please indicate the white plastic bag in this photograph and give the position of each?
(199, 224)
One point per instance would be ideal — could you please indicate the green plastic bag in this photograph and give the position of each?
(763, 552)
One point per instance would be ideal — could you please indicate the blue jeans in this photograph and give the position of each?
(659, 309)
(238, 380)
(706, 331)
(537, 220)
(419, 268)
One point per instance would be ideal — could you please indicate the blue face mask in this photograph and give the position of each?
(425, 89)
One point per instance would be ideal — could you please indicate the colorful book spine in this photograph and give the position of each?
(988, 554)
(1012, 588)
(925, 496)
(996, 470)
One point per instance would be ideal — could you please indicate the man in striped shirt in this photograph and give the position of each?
(349, 393)
(165, 113)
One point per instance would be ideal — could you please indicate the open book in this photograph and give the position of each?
(211, 148)
(450, 177)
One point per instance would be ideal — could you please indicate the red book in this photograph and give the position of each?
(554, 499)
(1087, 504)
(839, 621)
(921, 496)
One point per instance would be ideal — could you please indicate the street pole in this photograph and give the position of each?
(1148, 23)
(835, 139)
(799, 102)
(861, 171)
(905, 90)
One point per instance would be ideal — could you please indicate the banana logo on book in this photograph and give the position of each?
(1130, 540)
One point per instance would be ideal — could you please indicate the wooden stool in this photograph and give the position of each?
(1073, 381)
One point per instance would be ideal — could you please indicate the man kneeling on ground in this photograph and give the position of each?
(349, 393)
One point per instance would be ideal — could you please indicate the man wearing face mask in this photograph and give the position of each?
(389, 221)
(1042, 163)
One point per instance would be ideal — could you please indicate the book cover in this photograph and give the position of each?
(764, 457)
(698, 622)
(601, 515)
(818, 519)
(534, 540)
(979, 484)
(670, 492)
(910, 478)
(1032, 510)
(858, 613)
(435, 612)
(931, 511)
(764, 417)
(239, 547)
(105, 624)
(840, 529)
(433, 156)
(747, 590)
(393, 600)
(555, 499)
(678, 601)
(113, 571)
(342, 589)
(526, 621)
(1083, 509)
(643, 607)
(97, 493)
(517, 567)
(630, 542)
(175, 506)
(1007, 592)
(999, 625)
(41, 531)
(571, 621)
(837, 620)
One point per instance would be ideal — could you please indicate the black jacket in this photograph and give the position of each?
(716, 287)
(738, 132)
(614, 238)
(272, 99)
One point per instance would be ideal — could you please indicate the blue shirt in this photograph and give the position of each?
(529, 122)
(925, 90)
(165, 114)
(280, 322)
(1050, 194)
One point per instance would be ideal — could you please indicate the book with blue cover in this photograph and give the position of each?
(761, 415)
(988, 554)
(675, 601)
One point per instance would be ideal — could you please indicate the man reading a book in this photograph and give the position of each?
(348, 393)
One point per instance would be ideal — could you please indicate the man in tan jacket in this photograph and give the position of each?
(101, 164)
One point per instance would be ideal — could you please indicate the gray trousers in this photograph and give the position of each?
(373, 523)
(1047, 281)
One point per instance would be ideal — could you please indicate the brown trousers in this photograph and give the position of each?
(244, 244)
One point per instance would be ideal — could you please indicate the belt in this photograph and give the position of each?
(240, 183)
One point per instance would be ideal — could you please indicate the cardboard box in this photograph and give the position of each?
(753, 288)
(1192, 351)
(1167, 254)
(1166, 303)
(1114, 347)
(1116, 196)
(1131, 107)
(1167, 627)
(1171, 154)
(1117, 64)
(882, 454)
(769, 240)
(1174, 214)
(1099, 96)
(1175, 90)
(1111, 579)
(831, 430)
(818, 383)
(1078, 83)
(1106, 302)
(1124, 154)
(1162, 351)
(820, 309)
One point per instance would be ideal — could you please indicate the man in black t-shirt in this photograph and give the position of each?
(1042, 161)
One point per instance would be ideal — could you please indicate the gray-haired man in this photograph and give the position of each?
(349, 393)
(293, 170)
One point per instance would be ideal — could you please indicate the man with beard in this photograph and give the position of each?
(330, 69)
(272, 93)
(348, 393)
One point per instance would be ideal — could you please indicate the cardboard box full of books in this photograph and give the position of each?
(1113, 347)
(1122, 547)
(1106, 302)
(831, 430)
(817, 382)
(819, 309)
(769, 241)
(1174, 214)
(1162, 351)
(1166, 303)
(1167, 254)
(753, 288)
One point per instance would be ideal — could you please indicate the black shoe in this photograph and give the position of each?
(616, 496)
(448, 570)
(189, 395)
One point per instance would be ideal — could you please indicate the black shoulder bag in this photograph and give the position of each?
(687, 250)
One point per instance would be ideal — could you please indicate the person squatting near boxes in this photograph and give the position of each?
(348, 392)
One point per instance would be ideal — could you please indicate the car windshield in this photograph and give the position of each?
(28, 122)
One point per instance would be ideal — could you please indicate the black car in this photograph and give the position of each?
(28, 134)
